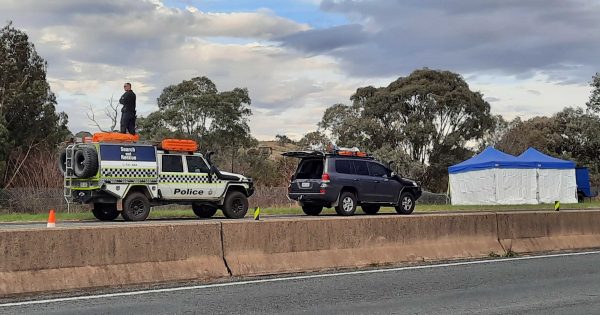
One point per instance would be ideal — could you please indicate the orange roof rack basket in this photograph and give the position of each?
(179, 145)
(114, 137)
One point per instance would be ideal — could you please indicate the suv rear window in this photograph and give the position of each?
(310, 169)
(360, 167)
(344, 167)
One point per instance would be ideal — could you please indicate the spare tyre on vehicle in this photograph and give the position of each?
(62, 160)
(85, 162)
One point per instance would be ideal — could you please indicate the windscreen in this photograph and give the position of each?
(310, 169)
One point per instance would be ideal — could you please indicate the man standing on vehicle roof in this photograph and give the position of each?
(128, 111)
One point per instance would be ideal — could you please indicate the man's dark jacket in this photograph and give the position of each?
(128, 102)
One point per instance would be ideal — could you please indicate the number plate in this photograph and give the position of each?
(305, 185)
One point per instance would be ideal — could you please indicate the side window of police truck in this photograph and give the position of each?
(196, 164)
(377, 170)
(172, 163)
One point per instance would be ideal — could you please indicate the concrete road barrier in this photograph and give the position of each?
(530, 232)
(64, 259)
(292, 245)
(73, 258)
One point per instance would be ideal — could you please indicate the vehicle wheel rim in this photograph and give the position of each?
(237, 206)
(406, 203)
(348, 204)
(137, 207)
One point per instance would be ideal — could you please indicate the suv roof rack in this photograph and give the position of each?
(303, 154)
(351, 153)
(320, 154)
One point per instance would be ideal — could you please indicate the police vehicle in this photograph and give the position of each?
(118, 175)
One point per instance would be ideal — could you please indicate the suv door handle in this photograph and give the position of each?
(356, 179)
(376, 181)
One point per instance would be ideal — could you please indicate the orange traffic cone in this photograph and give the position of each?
(51, 219)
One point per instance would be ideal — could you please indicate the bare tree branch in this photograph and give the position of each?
(31, 146)
(111, 111)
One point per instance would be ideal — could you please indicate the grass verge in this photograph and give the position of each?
(187, 213)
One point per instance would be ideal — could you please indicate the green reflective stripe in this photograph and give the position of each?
(131, 168)
(132, 177)
(85, 188)
(213, 184)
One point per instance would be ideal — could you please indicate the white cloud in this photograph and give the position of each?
(92, 47)
(530, 97)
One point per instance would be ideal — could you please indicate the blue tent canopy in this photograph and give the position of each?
(541, 160)
(490, 158)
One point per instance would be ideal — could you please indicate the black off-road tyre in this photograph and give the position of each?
(347, 204)
(312, 209)
(370, 209)
(407, 203)
(204, 211)
(136, 207)
(85, 162)
(105, 211)
(235, 205)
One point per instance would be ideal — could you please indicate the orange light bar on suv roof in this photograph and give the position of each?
(352, 153)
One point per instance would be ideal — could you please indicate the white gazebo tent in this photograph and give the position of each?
(493, 178)
(556, 180)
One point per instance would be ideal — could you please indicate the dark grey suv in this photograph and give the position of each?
(344, 180)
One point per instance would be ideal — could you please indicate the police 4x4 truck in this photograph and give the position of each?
(104, 172)
(344, 179)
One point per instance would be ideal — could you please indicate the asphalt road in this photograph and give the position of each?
(548, 285)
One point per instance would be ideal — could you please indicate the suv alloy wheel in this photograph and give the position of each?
(347, 204)
(407, 203)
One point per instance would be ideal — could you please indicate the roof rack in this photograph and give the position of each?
(113, 137)
(350, 153)
(182, 145)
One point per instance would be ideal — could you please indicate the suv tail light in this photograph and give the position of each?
(325, 178)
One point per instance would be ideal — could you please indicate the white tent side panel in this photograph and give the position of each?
(497, 186)
(473, 188)
(516, 186)
(557, 184)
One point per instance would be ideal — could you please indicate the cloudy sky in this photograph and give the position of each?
(298, 57)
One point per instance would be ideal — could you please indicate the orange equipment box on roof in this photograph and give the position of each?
(179, 145)
(114, 136)
(352, 153)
